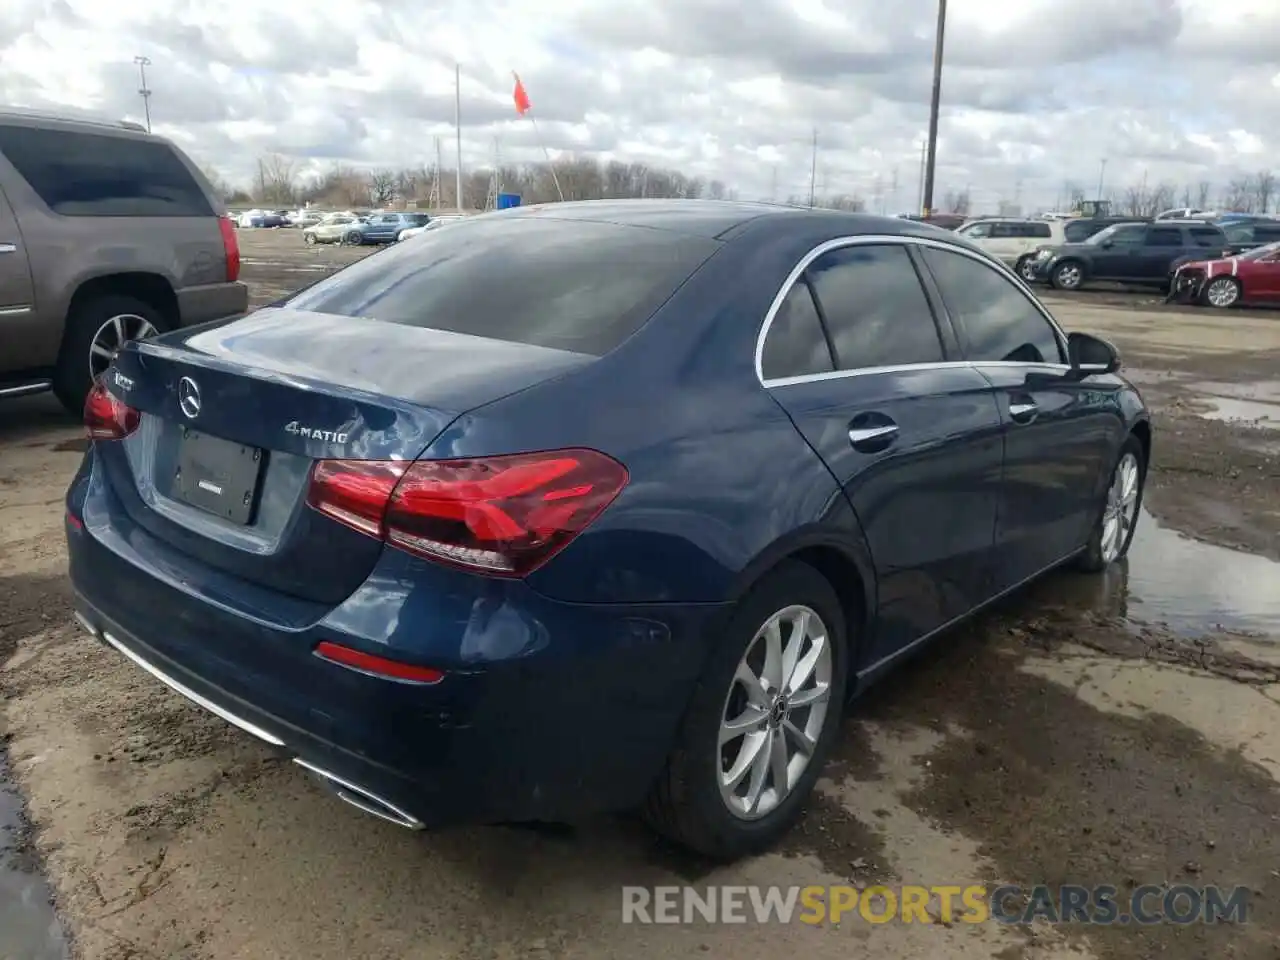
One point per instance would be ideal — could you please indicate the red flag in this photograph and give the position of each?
(521, 97)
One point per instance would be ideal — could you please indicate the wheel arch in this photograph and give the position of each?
(151, 288)
(843, 560)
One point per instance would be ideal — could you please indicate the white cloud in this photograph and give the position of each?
(1177, 90)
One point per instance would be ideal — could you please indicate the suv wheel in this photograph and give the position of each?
(353, 238)
(1068, 276)
(762, 721)
(310, 239)
(96, 331)
(1026, 268)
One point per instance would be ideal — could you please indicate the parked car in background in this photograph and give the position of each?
(387, 227)
(335, 228)
(1242, 236)
(437, 220)
(107, 234)
(306, 218)
(1182, 213)
(1136, 253)
(263, 218)
(1249, 277)
(1012, 238)
(595, 509)
(1073, 230)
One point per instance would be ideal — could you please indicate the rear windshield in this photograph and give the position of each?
(95, 175)
(567, 284)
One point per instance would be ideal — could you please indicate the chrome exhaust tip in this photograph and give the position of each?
(362, 799)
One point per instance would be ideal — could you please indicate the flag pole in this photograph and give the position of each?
(524, 107)
(546, 153)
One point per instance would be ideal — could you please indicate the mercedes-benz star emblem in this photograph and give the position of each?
(189, 397)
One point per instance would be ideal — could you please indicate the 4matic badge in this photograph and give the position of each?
(315, 433)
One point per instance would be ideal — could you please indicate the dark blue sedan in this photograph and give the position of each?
(594, 506)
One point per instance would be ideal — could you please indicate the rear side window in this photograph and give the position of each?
(1080, 231)
(1265, 234)
(1001, 322)
(566, 284)
(1036, 230)
(1164, 237)
(91, 175)
(875, 307)
(795, 345)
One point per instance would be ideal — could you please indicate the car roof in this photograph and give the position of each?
(723, 219)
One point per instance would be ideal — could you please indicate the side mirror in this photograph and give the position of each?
(1090, 355)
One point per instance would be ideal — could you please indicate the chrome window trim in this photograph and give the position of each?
(840, 243)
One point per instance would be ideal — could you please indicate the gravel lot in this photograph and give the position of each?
(1123, 731)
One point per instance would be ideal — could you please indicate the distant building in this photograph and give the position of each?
(1008, 209)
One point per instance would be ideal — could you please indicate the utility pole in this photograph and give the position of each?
(924, 146)
(1102, 176)
(143, 63)
(813, 168)
(936, 102)
(457, 123)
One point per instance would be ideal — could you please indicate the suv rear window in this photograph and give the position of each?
(567, 284)
(92, 175)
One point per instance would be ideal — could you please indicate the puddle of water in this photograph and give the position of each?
(1248, 413)
(1267, 391)
(29, 929)
(1195, 588)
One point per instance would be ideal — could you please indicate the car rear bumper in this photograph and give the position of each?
(211, 302)
(547, 711)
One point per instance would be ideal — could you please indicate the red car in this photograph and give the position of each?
(1252, 276)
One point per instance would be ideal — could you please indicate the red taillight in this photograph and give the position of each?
(378, 666)
(106, 417)
(231, 246)
(505, 516)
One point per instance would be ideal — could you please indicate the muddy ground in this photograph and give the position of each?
(1120, 730)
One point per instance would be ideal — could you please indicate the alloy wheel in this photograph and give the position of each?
(1121, 510)
(1028, 270)
(1222, 292)
(774, 712)
(1069, 276)
(113, 335)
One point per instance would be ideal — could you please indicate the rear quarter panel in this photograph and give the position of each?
(719, 476)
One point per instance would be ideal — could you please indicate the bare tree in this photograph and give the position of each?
(1203, 189)
(1264, 188)
(957, 202)
(1238, 196)
(715, 190)
(276, 180)
(1142, 200)
(382, 187)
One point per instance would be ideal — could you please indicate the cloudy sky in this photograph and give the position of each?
(1035, 92)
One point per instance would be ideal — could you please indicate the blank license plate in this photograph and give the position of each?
(219, 476)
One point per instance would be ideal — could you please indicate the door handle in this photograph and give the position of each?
(1023, 411)
(873, 439)
(8, 248)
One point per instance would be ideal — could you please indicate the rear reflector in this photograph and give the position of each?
(106, 417)
(231, 247)
(504, 516)
(378, 666)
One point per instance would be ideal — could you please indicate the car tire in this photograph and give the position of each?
(1068, 275)
(1122, 505)
(687, 803)
(353, 239)
(310, 239)
(92, 328)
(1025, 268)
(1221, 292)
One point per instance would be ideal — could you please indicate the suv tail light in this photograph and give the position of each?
(106, 417)
(504, 516)
(231, 246)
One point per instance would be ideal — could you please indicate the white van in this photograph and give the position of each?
(1010, 238)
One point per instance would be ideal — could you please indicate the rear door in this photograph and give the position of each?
(1058, 432)
(17, 298)
(1032, 234)
(1118, 259)
(1161, 245)
(1006, 241)
(910, 431)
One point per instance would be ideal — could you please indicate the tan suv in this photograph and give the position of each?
(107, 234)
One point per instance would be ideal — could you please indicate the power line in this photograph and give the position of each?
(143, 63)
